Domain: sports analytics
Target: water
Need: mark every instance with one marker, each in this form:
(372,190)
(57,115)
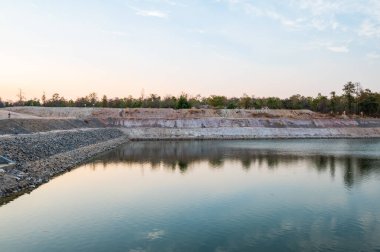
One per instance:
(268,195)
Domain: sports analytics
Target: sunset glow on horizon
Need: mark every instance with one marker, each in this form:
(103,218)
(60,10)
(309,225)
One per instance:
(224,47)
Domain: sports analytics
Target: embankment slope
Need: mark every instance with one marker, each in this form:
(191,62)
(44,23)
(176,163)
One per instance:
(40,156)
(140,124)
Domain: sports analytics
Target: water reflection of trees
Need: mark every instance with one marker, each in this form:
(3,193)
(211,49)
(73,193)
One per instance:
(182,154)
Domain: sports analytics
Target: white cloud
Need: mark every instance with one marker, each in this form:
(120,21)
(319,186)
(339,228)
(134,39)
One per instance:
(293,23)
(174,3)
(152,13)
(369,29)
(327,13)
(338,49)
(319,7)
(116,33)
(373,55)
(322,24)
(199,31)
(321,15)
(285,20)
(329,45)
(251,9)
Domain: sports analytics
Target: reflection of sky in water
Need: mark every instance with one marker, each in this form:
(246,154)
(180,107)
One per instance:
(155,234)
(206,196)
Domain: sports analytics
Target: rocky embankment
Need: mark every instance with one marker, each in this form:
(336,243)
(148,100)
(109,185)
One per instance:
(33,125)
(247,128)
(246,133)
(41,156)
(157,124)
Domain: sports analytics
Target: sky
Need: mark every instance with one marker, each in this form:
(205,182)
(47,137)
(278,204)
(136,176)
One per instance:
(207,47)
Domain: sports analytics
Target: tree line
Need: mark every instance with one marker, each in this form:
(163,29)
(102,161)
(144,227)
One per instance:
(353,100)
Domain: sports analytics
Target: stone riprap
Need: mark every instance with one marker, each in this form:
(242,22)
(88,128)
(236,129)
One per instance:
(32,125)
(41,156)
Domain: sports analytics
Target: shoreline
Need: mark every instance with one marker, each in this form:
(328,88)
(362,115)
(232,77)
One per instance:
(47,142)
(246,139)
(28,175)
(41,171)
(248,133)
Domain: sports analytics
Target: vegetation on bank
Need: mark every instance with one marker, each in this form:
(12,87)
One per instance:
(354,100)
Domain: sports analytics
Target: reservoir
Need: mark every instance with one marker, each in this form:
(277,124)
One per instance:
(259,195)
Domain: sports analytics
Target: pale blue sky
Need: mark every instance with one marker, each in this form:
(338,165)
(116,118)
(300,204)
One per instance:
(224,47)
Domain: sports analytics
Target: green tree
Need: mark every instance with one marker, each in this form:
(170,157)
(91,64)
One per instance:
(217,101)
(233,103)
(104,101)
(369,103)
(273,103)
(56,101)
(169,102)
(182,102)
(321,104)
(196,101)
(349,90)
(153,101)
(32,102)
(245,102)
(92,99)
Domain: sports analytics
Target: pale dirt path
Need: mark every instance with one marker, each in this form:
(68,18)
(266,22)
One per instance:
(4,115)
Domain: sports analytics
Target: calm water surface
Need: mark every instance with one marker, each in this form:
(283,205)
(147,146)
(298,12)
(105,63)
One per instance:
(288,195)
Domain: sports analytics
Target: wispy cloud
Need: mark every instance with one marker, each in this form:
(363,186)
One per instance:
(338,49)
(369,29)
(252,9)
(115,33)
(285,21)
(322,24)
(319,7)
(373,55)
(328,13)
(152,13)
(173,3)
(199,31)
(329,45)
(320,15)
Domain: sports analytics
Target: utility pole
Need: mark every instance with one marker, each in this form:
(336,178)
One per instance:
(20,96)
